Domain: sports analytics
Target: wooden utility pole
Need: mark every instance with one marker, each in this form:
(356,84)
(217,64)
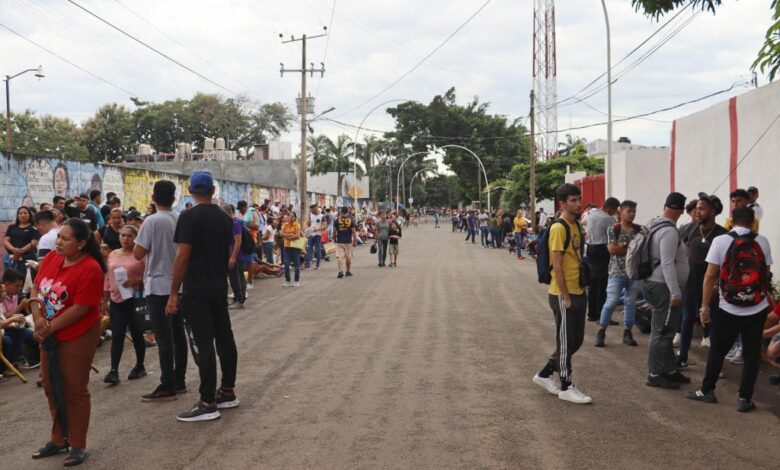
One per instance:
(532,164)
(303,194)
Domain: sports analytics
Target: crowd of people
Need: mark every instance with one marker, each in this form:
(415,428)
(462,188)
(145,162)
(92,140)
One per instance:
(78,272)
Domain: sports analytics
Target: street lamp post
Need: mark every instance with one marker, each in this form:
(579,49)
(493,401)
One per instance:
(398,178)
(487,184)
(608,163)
(411,198)
(38,73)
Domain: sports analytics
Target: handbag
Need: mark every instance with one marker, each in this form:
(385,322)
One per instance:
(299,243)
(373,249)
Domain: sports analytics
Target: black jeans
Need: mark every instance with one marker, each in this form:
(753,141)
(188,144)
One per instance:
(171,342)
(122,316)
(238,281)
(569,332)
(381,250)
(598,261)
(208,325)
(725,330)
(292,256)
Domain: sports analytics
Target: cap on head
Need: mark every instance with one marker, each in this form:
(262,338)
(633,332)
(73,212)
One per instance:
(752,189)
(713,201)
(133,215)
(201,182)
(675,201)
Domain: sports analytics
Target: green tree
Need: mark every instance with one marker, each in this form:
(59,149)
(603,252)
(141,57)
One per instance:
(47,136)
(262,123)
(109,134)
(549,175)
(768,59)
(572,146)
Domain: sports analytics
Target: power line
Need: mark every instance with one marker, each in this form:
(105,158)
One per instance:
(422,61)
(135,95)
(327,40)
(152,48)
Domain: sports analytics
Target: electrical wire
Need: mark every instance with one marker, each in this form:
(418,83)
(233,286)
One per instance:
(156,51)
(107,82)
(422,61)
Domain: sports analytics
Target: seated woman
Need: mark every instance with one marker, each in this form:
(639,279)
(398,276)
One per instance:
(268,269)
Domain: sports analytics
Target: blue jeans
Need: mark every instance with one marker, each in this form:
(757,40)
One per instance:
(292,255)
(483,236)
(268,252)
(315,246)
(15,339)
(495,237)
(471,233)
(615,286)
(519,238)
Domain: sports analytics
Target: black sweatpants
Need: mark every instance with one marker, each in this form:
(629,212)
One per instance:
(208,325)
(570,333)
(122,316)
(238,281)
(723,333)
(598,261)
(171,342)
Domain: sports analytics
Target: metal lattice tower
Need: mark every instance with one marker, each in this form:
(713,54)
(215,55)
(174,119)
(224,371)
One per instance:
(545,72)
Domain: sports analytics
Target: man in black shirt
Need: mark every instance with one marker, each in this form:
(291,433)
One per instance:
(204,235)
(78,208)
(346,240)
(109,235)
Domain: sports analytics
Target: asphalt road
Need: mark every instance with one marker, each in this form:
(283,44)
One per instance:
(424,366)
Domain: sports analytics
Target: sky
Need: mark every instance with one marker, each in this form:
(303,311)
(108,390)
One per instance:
(236,45)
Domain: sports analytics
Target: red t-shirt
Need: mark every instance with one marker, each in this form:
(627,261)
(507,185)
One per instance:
(62,287)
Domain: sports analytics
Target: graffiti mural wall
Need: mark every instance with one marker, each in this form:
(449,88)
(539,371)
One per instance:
(28,181)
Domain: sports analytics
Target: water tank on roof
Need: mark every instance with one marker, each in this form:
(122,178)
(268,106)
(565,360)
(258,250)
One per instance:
(220,143)
(189,149)
(181,148)
(208,144)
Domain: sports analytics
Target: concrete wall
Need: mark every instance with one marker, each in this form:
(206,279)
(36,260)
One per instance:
(733,144)
(642,175)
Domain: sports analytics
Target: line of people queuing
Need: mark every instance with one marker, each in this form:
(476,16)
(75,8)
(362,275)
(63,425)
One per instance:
(703,273)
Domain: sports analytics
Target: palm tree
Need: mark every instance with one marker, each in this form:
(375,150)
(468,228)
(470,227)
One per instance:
(366,151)
(342,152)
(320,161)
(572,146)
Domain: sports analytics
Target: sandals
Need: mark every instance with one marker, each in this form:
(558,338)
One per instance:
(49,449)
(75,457)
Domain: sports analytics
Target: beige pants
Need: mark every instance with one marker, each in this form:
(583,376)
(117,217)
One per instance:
(344,251)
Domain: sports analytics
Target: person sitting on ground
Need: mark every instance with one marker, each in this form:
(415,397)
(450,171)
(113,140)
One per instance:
(16,335)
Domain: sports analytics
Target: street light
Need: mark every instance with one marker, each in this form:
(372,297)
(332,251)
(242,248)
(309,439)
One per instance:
(487,184)
(412,181)
(398,178)
(8,78)
(608,163)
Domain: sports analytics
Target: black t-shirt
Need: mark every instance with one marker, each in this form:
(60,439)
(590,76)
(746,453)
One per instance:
(396,232)
(88,215)
(210,232)
(699,240)
(111,238)
(21,237)
(344,228)
(105,211)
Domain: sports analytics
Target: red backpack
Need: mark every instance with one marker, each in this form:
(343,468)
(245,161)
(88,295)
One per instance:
(744,276)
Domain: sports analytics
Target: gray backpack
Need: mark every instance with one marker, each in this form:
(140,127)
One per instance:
(639,263)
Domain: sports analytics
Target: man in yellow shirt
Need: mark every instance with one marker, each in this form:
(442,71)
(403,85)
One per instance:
(567,296)
(521,230)
(740,198)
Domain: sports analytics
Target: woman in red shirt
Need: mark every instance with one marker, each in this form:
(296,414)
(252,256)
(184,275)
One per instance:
(65,300)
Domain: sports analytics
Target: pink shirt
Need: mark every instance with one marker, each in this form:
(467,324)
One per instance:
(133,267)
(9,304)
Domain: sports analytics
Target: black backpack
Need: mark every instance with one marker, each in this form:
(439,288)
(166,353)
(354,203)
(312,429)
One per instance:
(247,242)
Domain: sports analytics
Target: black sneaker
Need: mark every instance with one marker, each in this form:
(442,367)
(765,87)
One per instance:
(340,275)
(744,405)
(600,336)
(349,274)
(628,338)
(225,400)
(200,412)
(112,377)
(677,377)
(661,381)
(181,388)
(137,372)
(159,394)
(698,395)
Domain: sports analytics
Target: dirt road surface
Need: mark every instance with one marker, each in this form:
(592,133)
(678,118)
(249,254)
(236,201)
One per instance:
(423,366)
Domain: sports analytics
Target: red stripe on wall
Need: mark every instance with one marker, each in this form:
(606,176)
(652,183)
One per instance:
(673,154)
(733,157)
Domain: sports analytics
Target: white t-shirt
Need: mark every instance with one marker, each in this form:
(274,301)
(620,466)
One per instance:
(269,229)
(717,255)
(49,240)
(483,219)
(316,223)
(757,210)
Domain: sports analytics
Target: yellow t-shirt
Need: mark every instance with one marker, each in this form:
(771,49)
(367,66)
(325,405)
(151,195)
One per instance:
(520,224)
(729,224)
(571,257)
(290,229)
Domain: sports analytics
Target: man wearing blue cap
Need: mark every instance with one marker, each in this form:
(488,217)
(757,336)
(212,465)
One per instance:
(204,236)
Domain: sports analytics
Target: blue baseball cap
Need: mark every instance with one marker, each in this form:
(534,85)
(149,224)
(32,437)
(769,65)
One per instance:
(201,182)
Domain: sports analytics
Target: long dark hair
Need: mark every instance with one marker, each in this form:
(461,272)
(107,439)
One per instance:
(82,232)
(29,215)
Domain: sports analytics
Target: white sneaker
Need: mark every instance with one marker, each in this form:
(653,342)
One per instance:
(737,358)
(297,284)
(287,284)
(547,384)
(732,351)
(250,286)
(573,395)
(705,342)
(676,340)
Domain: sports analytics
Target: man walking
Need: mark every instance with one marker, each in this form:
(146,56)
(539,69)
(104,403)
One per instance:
(483,228)
(618,238)
(155,241)
(566,296)
(600,221)
(314,227)
(346,239)
(471,227)
(204,234)
(741,260)
(382,237)
(663,292)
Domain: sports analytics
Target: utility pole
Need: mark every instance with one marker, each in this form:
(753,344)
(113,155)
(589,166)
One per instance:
(304,125)
(532,162)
